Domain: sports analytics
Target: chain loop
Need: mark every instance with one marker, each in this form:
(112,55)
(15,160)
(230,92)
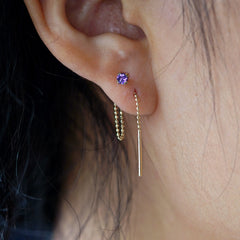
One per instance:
(120,136)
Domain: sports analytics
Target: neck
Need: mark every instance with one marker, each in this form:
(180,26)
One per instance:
(154,215)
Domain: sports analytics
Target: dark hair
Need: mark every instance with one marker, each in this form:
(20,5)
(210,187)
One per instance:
(36,93)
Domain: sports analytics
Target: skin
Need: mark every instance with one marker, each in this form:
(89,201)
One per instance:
(191,171)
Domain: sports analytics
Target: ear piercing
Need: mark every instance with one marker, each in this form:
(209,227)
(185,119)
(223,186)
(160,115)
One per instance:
(122,78)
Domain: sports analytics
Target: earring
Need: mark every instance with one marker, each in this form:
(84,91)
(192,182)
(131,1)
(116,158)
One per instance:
(139,139)
(122,78)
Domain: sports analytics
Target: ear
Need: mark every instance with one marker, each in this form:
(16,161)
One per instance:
(91,38)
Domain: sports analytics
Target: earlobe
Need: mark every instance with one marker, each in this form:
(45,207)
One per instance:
(96,50)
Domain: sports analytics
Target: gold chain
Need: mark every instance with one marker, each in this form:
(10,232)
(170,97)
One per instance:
(119,136)
(139,137)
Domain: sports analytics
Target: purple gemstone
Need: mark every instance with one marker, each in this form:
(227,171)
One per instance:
(122,78)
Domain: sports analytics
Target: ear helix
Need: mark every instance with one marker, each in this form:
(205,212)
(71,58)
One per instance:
(122,78)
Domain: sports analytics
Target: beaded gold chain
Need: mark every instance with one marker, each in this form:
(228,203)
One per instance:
(120,136)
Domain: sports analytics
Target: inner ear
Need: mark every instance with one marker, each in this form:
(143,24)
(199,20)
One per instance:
(94,17)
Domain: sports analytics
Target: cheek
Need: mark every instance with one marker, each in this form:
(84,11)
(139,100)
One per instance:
(197,152)
(162,23)
(198,156)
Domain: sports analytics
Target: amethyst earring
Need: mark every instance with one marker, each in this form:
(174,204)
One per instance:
(122,78)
